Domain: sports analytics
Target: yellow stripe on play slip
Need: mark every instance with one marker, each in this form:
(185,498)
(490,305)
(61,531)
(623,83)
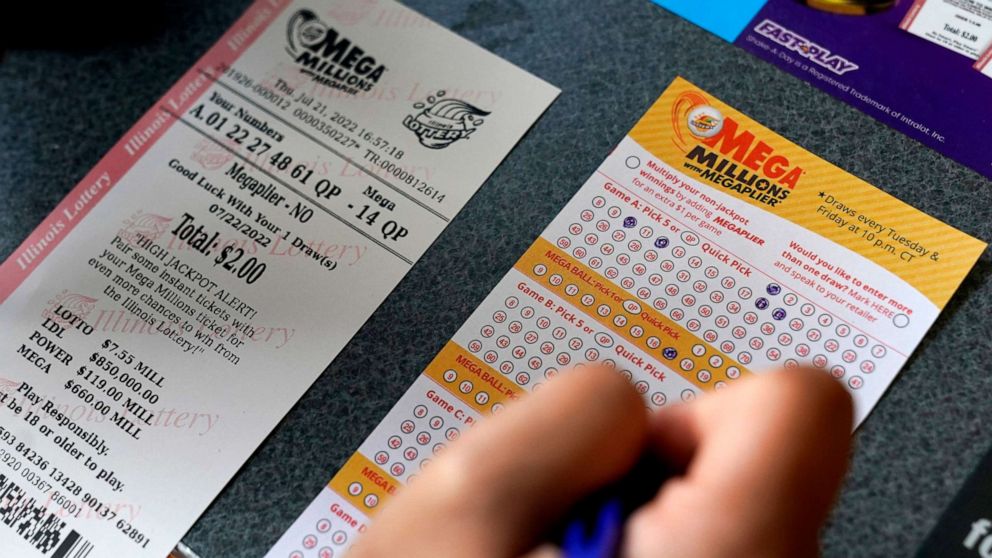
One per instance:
(471,380)
(641,323)
(363,484)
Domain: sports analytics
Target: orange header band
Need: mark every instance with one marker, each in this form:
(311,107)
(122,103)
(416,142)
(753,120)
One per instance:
(727,150)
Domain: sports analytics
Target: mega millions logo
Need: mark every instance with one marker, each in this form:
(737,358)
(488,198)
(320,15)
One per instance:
(8,386)
(722,151)
(142,225)
(78,304)
(705,121)
(442,121)
(330,58)
(211,155)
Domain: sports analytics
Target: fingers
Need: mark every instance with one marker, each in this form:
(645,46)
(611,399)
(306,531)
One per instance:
(496,490)
(766,461)
(673,435)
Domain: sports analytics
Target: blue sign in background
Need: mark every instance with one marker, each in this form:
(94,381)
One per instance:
(725,18)
(930,93)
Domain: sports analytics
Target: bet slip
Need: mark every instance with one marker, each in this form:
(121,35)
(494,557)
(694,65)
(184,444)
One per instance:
(964,26)
(704,249)
(174,306)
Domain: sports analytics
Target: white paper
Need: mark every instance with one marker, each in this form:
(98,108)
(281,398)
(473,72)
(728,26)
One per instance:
(964,26)
(178,302)
(685,264)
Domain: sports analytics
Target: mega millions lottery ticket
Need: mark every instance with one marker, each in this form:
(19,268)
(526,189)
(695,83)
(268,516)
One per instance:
(984,63)
(964,26)
(167,314)
(704,249)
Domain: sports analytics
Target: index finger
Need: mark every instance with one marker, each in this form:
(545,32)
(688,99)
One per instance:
(497,489)
(765,459)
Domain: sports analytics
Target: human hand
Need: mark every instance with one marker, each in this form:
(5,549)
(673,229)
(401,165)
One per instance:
(762,462)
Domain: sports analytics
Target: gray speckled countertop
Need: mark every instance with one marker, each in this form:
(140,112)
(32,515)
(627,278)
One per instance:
(60,110)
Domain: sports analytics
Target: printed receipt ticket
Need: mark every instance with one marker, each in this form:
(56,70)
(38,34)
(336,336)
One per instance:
(704,249)
(964,26)
(166,315)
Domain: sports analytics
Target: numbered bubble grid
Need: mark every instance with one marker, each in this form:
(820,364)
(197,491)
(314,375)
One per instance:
(322,534)
(412,435)
(717,297)
(529,344)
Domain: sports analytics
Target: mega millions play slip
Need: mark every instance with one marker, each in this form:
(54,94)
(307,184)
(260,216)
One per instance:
(159,323)
(704,249)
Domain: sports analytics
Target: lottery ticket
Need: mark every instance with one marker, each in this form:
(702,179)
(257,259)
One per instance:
(984,62)
(167,314)
(964,26)
(704,249)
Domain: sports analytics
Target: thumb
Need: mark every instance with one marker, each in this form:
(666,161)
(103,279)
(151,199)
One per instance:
(497,489)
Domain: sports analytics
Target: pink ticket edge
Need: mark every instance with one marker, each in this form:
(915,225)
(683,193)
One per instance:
(910,17)
(984,60)
(118,161)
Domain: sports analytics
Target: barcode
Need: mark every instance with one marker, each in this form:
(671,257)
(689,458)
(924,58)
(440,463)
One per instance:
(73,546)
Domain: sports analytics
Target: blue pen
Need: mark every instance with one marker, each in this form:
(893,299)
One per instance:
(594,528)
(604,539)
